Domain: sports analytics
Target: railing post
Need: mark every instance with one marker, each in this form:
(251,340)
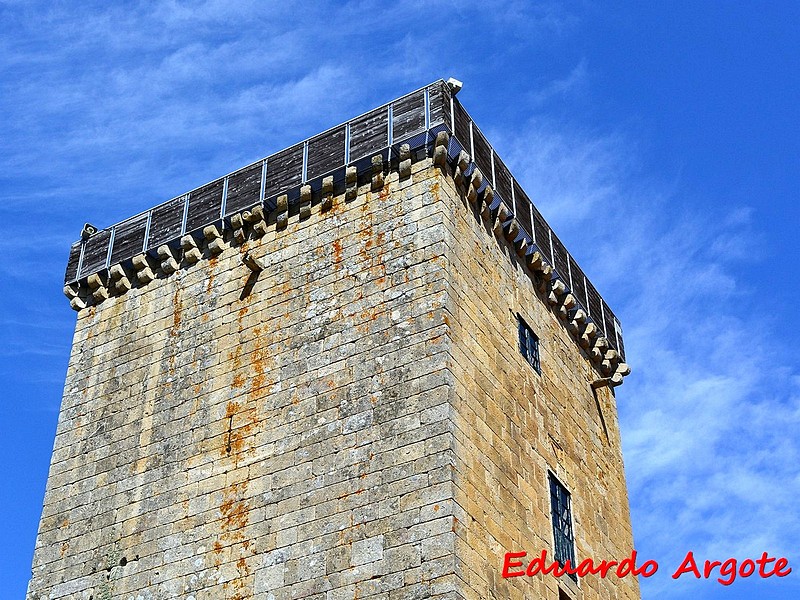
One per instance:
(147,230)
(347,143)
(80,260)
(304,174)
(185,213)
(110,246)
(263,181)
(390,132)
(223,206)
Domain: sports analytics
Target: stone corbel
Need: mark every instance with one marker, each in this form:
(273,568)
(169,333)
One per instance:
(543,278)
(282,218)
(191,253)
(119,281)
(257,220)
(486,203)
(588,335)
(521,246)
(237,224)
(327,193)
(73,293)
(462,164)
(498,218)
(511,230)
(557,289)
(405,161)
(534,261)
(440,149)
(97,286)
(575,325)
(351,184)
(305,202)
(215,242)
(598,350)
(143,268)
(566,303)
(377,172)
(474,185)
(168,263)
(623,370)
(609,363)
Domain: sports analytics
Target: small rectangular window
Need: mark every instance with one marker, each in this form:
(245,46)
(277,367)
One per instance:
(529,344)
(562,524)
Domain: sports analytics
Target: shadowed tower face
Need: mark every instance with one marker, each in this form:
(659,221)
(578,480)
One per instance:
(362,368)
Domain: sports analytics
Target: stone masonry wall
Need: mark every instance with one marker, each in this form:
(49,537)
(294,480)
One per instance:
(512,425)
(293,442)
(353,422)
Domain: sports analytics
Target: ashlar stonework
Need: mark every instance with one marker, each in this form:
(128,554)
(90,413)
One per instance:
(350,418)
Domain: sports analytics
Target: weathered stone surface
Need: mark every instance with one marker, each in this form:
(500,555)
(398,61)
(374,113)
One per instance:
(506,416)
(360,423)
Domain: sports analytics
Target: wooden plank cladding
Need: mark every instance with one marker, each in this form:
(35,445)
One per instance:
(611,330)
(166,221)
(95,253)
(595,305)
(522,208)
(326,152)
(560,258)
(128,238)
(369,131)
(244,188)
(541,234)
(408,115)
(284,170)
(204,205)
(439,100)
(502,177)
(73,261)
(461,127)
(577,281)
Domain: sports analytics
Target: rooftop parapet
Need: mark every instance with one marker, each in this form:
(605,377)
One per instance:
(412,126)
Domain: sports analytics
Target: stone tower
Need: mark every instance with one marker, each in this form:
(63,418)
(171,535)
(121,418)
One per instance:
(363,367)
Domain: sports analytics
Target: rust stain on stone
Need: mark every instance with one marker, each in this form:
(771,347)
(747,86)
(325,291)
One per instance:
(235,512)
(212,263)
(177,308)
(337,251)
(235,515)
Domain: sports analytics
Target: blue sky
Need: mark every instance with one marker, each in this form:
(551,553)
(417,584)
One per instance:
(661,141)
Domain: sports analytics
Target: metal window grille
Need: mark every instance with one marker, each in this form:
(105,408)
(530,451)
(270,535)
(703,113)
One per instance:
(563,535)
(529,345)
